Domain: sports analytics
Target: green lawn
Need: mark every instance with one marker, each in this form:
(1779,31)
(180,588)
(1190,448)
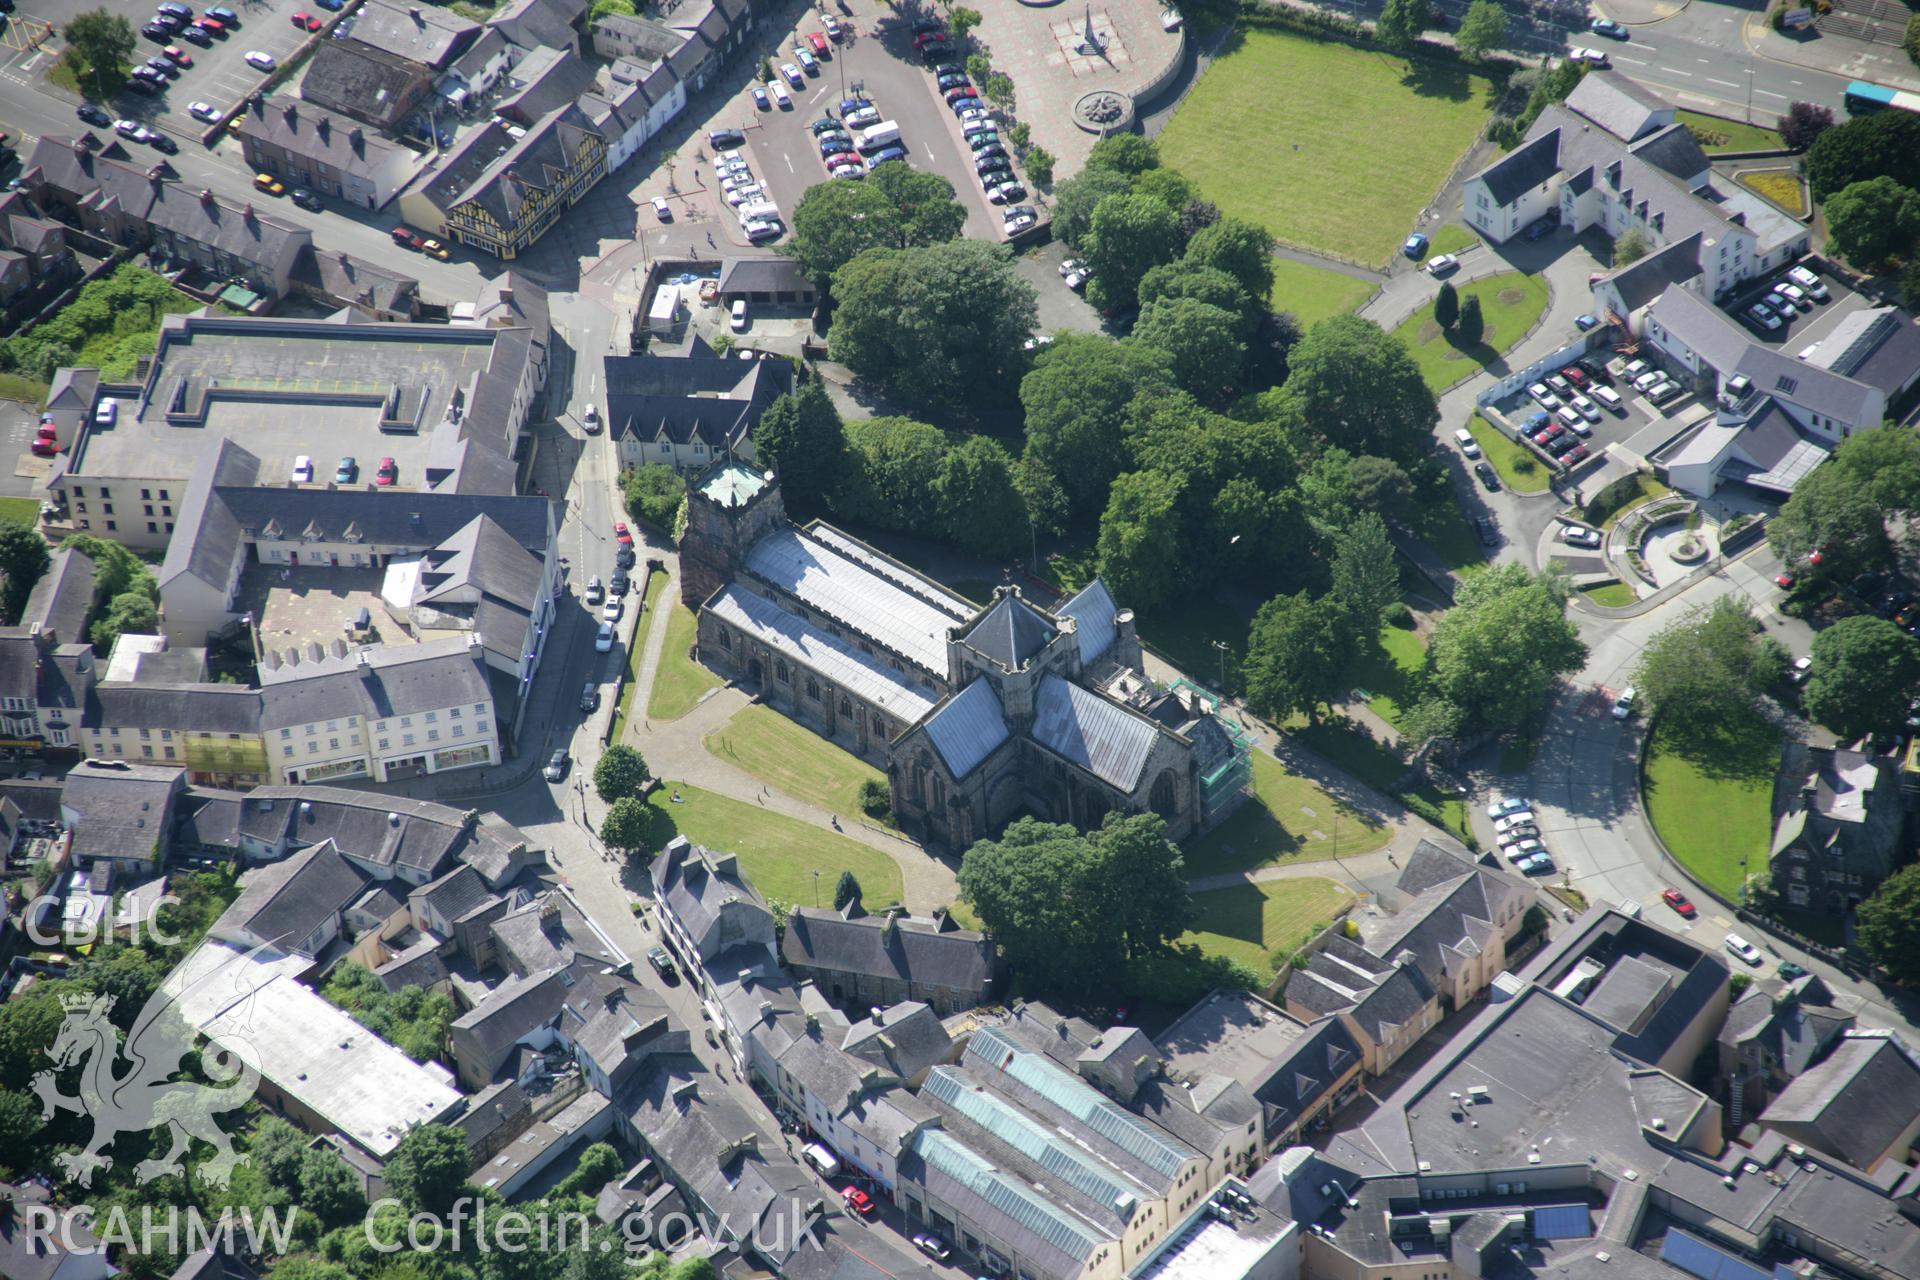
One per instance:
(14,386)
(1249,923)
(1645,487)
(680,681)
(1711,801)
(1610,595)
(24,511)
(1719,134)
(1386,671)
(778,854)
(649,602)
(1288,819)
(1446,530)
(1519,470)
(1315,293)
(1510,303)
(1295,134)
(1451,238)
(793,759)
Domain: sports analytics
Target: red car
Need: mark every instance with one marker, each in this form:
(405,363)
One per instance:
(306,21)
(387,473)
(1575,374)
(1784,582)
(1678,901)
(622,534)
(819,43)
(858,1201)
(44,443)
(212,26)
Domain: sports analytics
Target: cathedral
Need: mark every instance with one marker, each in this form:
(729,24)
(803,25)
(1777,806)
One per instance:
(978,713)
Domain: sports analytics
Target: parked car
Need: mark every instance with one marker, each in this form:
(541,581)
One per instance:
(590,698)
(737,316)
(1488,476)
(858,1201)
(306,21)
(603,639)
(1543,397)
(305,199)
(1520,817)
(1679,902)
(1443,264)
(93,115)
(1007,191)
(1586,408)
(1763,315)
(1514,835)
(662,963)
(794,75)
(1502,806)
(344,473)
(612,610)
(760,99)
(1789,971)
(1415,246)
(303,469)
(1623,705)
(933,1246)
(1746,951)
(1538,865)
(260,61)
(556,765)
(1584,322)
(594,593)
(723,139)
(386,473)
(1576,536)
(1524,849)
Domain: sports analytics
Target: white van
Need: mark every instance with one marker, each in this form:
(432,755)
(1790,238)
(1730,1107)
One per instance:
(759,211)
(1469,447)
(1608,398)
(824,1162)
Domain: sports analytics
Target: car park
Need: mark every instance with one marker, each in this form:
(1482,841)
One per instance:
(818,43)
(1579,453)
(883,155)
(1523,849)
(1521,817)
(780,95)
(982,141)
(1662,391)
(1559,385)
(1743,950)
(1514,835)
(980,124)
(195,35)
(1571,420)
(1796,295)
(1562,444)
(861,117)
(849,170)
(303,469)
(220,12)
(158,32)
(826,124)
(1025,222)
(806,61)
(1759,313)
(165,66)
(1543,397)
(662,210)
(1007,191)
(723,139)
(1609,398)
(760,98)
(306,21)
(178,56)
(1586,408)
(830,144)
(1538,865)
(952,82)
(1646,377)
(760,232)
(850,105)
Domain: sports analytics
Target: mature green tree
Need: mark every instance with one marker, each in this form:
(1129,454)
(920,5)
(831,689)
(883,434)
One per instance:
(1804,122)
(23,559)
(1873,220)
(277,1148)
(631,825)
(1139,887)
(1483,29)
(1887,925)
(1865,676)
(1910,41)
(979,504)
(834,222)
(129,613)
(1169,186)
(1075,200)
(621,771)
(1839,509)
(1239,248)
(1885,144)
(1357,387)
(897,462)
(1196,216)
(1126,153)
(115,569)
(800,436)
(1041,497)
(941,324)
(1446,306)
(1631,245)
(20,1125)
(102,42)
(1366,576)
(1203,284)
(998,89)
(1140,539)
(1401,22)
(428,1171)
(1076,400)
(28,1024)
(962,21)
(1472,325)
(1129,236)
(328,1188)
(1707,668)
(1382,486)
(1039,162)
(1499,650)
(926,210)
(1202,344)
(847,890)
(654,492)
(1296,654)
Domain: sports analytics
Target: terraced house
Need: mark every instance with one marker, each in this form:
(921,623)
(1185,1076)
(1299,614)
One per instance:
(505,184)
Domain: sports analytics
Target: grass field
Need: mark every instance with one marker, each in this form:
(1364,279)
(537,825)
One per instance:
(1712,802)
(1307,163)
(778,854)
(1387,670)
(1510,303)
(1249,923)
(649,606)
(14,386)
(1451,238)
(680,681)
(1443,527)
(1289,819)
(1611,595)
(1519,470)
(24,511)
(1315,293)
(793,759)
(1718,134)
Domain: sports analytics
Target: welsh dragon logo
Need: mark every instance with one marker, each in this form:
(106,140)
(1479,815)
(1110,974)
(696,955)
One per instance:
(129,1088)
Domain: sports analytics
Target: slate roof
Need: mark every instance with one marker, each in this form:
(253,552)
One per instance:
(389,521)
(1673,151)
(120,809)
(188,708)
(211,1264)
(693,397)
(532,24)
(284,903)
(242,231)
(368,83)
(1010,632)
(208,543)
(1641,282)
(497,170)
(30,1251)
(1092,609)
(706,893)
(354,281)
(546,79)
(481,558)
(392,681)
(318,135)
(834,658)
(1616,104)
(1522,169)
(1815,389)
(424,33)
(454,894)
(1096,733)
(517,1007)
(1457,905)
(1202,1115)
(550,931)
(832,583)
(1858,1102)
(58,605)
(763,273)
(1878,346)
(1795,1029)
(903,949)
(907,1039)
(968,728)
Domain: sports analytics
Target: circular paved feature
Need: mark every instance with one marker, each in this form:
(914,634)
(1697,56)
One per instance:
(1103,112)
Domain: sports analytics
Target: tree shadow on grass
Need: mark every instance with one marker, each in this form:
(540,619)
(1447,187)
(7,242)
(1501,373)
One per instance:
(1438,80)
(1239,913)
(1743,747)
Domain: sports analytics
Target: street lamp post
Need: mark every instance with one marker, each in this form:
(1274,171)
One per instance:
(1222,646)
(816,886)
